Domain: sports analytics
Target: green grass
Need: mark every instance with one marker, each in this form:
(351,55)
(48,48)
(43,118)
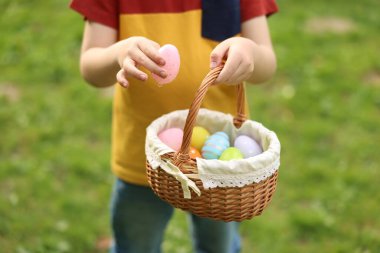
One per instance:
(323,103)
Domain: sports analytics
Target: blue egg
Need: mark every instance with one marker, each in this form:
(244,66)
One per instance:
(215,145)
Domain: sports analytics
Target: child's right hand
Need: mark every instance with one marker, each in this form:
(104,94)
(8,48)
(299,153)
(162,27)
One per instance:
(134,52)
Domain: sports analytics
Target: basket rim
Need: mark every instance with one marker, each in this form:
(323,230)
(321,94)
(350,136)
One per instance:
(255,168)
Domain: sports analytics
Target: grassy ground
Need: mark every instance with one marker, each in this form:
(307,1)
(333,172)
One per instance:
(324,104)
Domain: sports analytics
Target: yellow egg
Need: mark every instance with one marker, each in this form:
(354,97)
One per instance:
(199,137)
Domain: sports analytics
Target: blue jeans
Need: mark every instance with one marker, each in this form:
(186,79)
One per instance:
(139,219)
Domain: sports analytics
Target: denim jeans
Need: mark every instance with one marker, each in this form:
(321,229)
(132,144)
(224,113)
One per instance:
(139,219)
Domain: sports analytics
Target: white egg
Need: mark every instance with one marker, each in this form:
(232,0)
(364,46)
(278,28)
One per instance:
(248,146)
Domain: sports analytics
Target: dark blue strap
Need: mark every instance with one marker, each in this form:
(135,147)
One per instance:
(220,19)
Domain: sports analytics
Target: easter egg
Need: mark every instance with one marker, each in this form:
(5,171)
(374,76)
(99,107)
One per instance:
(215,145)
(199,137)
(172,63)
(194,153)
(231,153)
(248,146)
(172,137)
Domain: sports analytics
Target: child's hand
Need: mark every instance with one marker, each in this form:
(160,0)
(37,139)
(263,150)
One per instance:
(138,51)
(238,53)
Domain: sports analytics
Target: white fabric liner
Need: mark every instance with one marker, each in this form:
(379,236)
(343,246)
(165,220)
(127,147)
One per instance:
(216,173)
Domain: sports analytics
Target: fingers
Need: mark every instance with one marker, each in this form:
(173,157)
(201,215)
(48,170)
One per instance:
(235,71)
(238,66)
(129,70)
(151,51)
(120,77)
(242,73)
(140,52)
(218,54)
(230,68)
(238,54)
(142,59)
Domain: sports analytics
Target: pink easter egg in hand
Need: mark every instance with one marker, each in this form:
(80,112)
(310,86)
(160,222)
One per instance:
(172,62)
(172,137)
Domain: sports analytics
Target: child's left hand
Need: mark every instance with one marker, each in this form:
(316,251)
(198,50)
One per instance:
(239,55)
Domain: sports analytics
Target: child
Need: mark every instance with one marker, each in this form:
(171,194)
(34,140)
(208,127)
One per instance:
(120,43)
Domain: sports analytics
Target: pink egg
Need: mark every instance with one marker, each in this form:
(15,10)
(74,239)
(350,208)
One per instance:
(172,137)
(172,62)
(248,146)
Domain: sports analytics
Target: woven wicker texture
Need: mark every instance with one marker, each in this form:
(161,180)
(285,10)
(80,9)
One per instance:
(221,203)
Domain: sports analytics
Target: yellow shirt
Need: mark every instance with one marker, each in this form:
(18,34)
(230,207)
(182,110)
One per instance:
(176,22)
(136,107)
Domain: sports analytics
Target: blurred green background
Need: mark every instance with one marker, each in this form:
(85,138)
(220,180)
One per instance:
(324,104)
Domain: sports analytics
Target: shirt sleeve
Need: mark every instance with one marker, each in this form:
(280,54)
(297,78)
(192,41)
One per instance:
(105,12)
(256,8)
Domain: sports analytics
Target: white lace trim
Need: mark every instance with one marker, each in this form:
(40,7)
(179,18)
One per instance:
(212,181)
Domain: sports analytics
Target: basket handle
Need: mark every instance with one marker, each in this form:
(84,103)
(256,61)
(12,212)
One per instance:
(183,153)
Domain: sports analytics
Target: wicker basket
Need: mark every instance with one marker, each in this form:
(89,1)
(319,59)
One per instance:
(221,203)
